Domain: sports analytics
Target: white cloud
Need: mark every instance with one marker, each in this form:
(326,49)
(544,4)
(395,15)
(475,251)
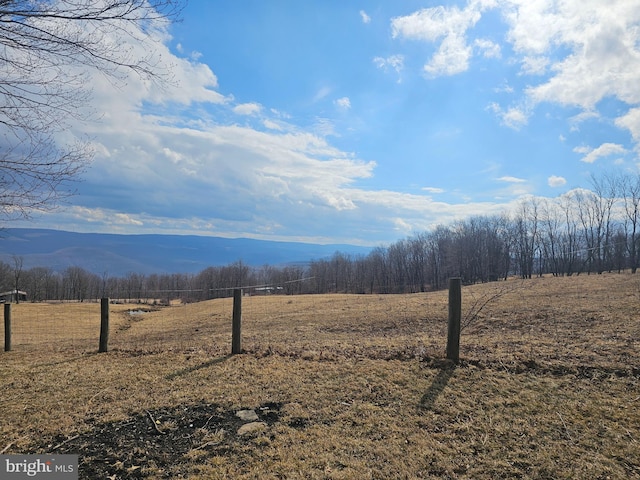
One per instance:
(579,52)
(509,179)
(343,103)
(555,181)
(534,65)
(365,18)
(280,114)
(451,58)
(395,62)
(195,55)
(583,117)
(274,167)
(504,88)
(631,122)
(167,153)
(247,108)
(584,52)
(192,82)
(604,150)
(324,127)
(583,150)
(450,27)
(600,40)
(112,219)
(402,226)
(124,219)
(431,24)
(175,157)
(322,93)
(533,25)
(282,182)
(514,118)
(488,48)
(160,160)
(271,125)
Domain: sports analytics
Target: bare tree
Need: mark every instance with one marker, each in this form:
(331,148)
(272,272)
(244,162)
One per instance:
(377,270)
(17,275)
(47,49)
(551,236)
(594,212)
(605,189)
(526,226)
(570,242)
(629,186)
(39,282)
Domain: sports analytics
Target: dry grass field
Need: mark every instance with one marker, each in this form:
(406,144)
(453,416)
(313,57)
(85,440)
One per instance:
(344,386)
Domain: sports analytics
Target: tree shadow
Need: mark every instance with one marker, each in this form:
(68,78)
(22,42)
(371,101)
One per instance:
(195,368)
(447,369)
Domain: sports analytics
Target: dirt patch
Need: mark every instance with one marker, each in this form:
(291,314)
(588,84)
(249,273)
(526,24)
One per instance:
(162,443)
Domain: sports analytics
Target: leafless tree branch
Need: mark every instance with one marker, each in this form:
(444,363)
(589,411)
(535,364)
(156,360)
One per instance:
(47,49)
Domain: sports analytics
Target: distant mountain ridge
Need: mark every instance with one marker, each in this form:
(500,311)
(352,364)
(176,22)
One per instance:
(118,255)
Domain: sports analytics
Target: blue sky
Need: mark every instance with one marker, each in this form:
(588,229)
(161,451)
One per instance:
(359,122)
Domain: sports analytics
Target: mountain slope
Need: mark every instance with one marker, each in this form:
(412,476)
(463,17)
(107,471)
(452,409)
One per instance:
(118,255)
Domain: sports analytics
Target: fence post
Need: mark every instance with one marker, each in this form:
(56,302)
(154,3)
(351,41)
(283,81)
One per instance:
(104,325)
(455,316)
(7,327)
(236,330)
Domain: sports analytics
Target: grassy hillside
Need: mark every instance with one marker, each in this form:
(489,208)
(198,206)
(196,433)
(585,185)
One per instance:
(345,386)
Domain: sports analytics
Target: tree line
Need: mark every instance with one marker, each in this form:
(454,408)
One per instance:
(585,231)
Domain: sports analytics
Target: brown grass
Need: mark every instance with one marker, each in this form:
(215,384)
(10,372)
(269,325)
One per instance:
(350,386)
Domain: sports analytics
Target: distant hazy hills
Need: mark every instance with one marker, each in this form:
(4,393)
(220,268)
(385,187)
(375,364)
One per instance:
(120,254)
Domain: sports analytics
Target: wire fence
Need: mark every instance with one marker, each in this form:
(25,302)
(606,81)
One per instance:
(270,323)
(577,320)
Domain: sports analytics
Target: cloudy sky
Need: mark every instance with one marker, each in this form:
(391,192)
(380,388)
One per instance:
(360,122)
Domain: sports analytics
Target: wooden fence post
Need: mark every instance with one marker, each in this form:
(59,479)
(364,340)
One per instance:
(7,327)
(455,317)
(104,325)
(236,330)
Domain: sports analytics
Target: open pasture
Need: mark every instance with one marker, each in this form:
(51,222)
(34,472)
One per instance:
(344,386)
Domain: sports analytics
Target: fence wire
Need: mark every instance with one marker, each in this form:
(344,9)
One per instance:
(581,320)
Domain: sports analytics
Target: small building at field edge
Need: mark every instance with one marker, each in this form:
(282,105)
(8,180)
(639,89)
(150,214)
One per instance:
(13,296)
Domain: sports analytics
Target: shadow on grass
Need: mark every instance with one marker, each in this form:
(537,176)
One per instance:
(61,362)
(447,369)
(195,368)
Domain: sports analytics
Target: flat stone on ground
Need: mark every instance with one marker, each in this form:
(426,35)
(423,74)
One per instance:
(252,427)
(247,415)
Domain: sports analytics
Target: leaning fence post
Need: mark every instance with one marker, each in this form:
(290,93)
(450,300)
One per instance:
(455,316)
(7,327)
(104,325)
(236,330)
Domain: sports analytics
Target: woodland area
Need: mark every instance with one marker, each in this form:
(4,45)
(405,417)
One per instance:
(584,231)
